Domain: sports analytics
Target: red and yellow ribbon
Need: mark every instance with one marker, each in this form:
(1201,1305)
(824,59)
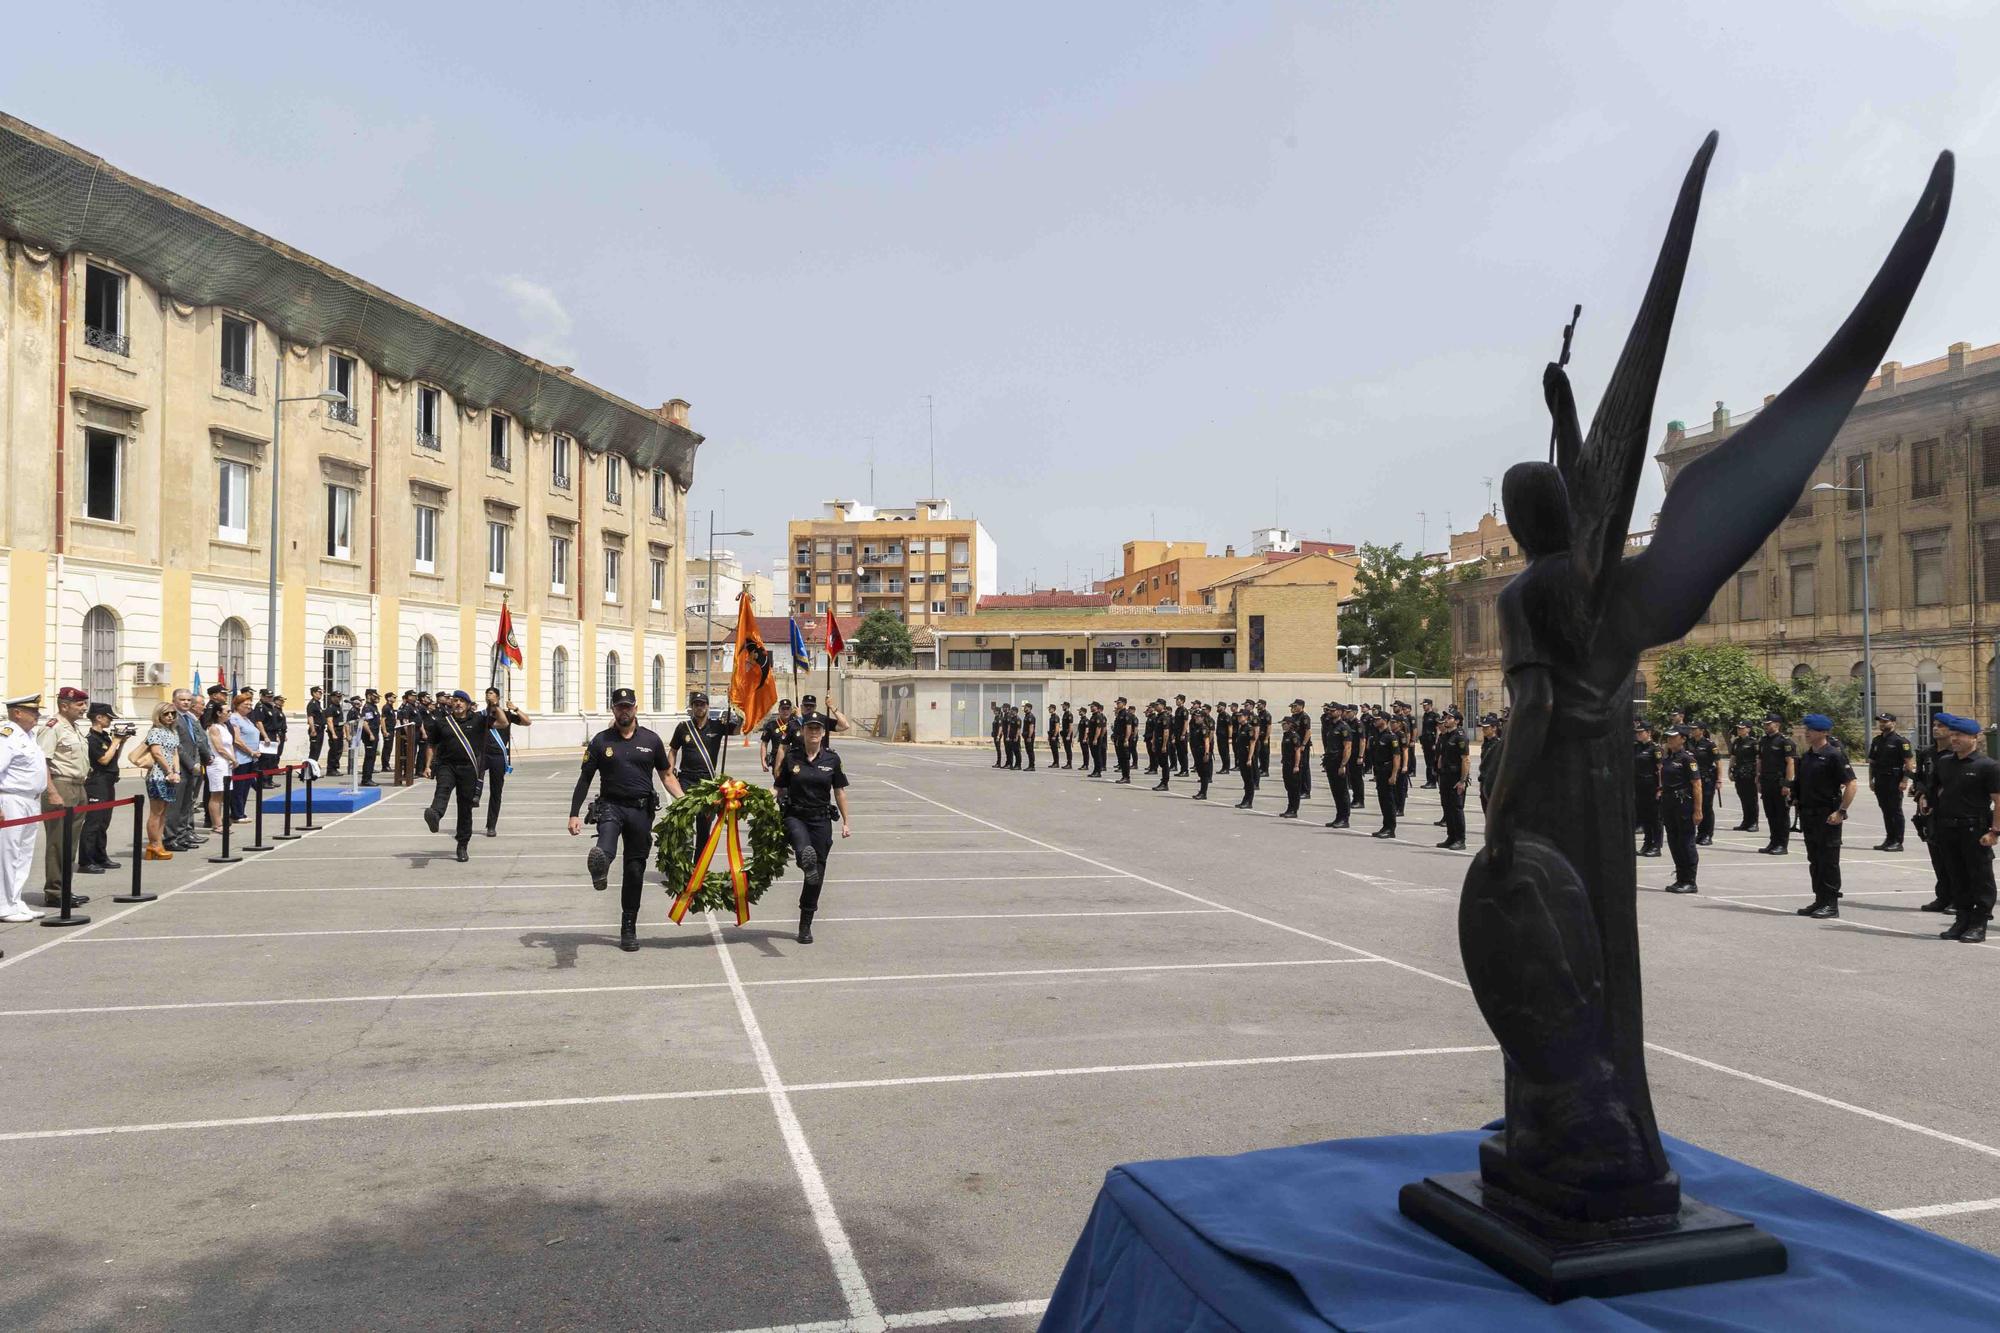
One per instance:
(731,793)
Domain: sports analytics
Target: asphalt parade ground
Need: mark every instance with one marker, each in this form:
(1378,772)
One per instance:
(350,1083)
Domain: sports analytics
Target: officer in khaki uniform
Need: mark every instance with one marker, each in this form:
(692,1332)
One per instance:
(65,743)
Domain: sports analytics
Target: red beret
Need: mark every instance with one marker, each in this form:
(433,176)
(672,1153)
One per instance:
(70,694)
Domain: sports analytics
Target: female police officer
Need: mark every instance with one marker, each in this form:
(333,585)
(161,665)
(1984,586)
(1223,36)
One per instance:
(814,783)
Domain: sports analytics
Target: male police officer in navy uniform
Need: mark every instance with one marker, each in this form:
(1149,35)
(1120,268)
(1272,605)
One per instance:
(1449,751)
(1825,785)
(1708,764)
(1777,772)
(695,752)
(1646,787)
(1683,796)
(627,757)
(1890,762)
(1965,823)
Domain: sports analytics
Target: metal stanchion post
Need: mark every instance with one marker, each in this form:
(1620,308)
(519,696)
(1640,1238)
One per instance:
(69,916)
(257,786)
(311,774)
(225,858)
(138,893)
(287,835)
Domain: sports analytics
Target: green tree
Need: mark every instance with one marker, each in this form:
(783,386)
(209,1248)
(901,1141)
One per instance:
(1399,609)
(1841,703)
(882,640)
(1714,683)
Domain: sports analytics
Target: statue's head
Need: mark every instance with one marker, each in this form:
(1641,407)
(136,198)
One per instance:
(1537,505)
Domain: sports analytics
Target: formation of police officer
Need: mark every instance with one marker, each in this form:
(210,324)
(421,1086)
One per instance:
(1962,799)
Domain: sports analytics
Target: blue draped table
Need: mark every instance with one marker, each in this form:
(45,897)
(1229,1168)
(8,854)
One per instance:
(1309,1238)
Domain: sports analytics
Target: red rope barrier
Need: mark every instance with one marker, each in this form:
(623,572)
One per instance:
(63,810)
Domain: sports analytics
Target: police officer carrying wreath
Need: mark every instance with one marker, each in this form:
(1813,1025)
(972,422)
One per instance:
(1825,786)
(695,752)
(1890,763)
(626,757)
(1965,823)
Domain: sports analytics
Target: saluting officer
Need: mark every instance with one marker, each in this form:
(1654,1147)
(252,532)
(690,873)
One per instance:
(1966,787)
(1386,754)
(1449,750)
(1646,787)
(1890,763)
(1825,785)
(1683,794)
(1708,765)
(628,758)
(1743,772)
(1201,748)
(1777,770)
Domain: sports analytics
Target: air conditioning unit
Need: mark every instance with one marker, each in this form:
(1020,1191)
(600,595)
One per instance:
(152,673)
(1149,641)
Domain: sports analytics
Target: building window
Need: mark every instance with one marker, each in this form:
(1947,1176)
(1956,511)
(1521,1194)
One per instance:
(496,552)
(613,560)
(427,663)
(559,447)
(1861,477)
(499,448)
(1851,553)
(659,684)
(103,475)
(1256,643)
(659,495)
(937,608)
(425,544)
(239,342)
(232,502)
(1989,561)
(614,480)
(340,380)
(1468,625)
(100,654)
(232,650)
(1926,470)
(610,677)
(960,553)
(1750,595)
(559,681)
(1804,589)
(1927,583)
(559,566)
(659,584)
(337,662)
(1989,456)
(339,523)
(429,401)
(104,310)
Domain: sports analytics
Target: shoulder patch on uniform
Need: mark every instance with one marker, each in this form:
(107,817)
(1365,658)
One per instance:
(6,728)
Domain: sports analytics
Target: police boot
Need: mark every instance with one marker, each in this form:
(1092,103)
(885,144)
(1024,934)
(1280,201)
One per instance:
(1935,905)
(805,925)
(1682,888)
(600,868)
(1827,911)
(462,854)
(1336,823)
(628,932)
(1973,934)
(1160,786)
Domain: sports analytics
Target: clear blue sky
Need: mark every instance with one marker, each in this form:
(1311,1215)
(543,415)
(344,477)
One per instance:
(1181,266)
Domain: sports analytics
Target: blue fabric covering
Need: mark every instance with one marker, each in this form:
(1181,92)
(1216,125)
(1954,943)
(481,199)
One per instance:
(1309,1238)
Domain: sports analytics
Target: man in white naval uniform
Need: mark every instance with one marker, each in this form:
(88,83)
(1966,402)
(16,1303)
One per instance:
(24,776)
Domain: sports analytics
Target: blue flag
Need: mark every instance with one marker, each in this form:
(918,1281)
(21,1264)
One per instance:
(800,657)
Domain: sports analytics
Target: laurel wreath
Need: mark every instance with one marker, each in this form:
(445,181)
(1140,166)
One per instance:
(766,849)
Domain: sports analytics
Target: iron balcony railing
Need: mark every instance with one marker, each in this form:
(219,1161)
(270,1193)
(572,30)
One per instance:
(104,340)
(239,381)
(346,412)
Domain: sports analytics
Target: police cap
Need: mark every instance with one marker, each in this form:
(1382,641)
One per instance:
(624,695)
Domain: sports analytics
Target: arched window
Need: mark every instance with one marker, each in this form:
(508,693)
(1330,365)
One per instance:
(232,651)
(1801,674)
(659,684)
(427,663)
(559,681)
(336,661)
(610,676)
(100,654)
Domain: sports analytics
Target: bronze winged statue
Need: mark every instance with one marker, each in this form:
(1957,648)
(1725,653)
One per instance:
(1548,916)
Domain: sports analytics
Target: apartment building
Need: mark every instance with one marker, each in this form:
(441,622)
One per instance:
(921,564)
(181,396)
(714,582)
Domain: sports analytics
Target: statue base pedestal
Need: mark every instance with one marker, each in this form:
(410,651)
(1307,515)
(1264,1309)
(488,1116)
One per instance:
(1704,1244)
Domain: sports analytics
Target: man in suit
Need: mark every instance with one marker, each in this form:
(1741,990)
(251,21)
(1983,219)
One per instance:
(180,834)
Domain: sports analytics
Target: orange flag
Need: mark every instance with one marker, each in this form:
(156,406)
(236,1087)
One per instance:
(752,690)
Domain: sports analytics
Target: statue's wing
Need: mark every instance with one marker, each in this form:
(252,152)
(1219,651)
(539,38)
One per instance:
(1724,504)
(1605,476)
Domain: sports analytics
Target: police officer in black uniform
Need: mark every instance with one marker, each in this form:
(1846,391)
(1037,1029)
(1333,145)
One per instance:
(1357,758)
(695,753)
(457,746)
(1777,771)
(1179,733)
(1010,733)
(1683,797)
(1386,755)
(1263,740)
(1245,733)
(627,757)
(1743,772)
(1069,737)
(814,784)
(1449,752)
(1965,787)
(1028,735)
(999,730)
(1890,763)
(1825,784)
(1924,789)
(501,719)
(1708,764)
(315,723)
(1295,757)
(1646,787)
(1201,748)
(1159,725)
(1125,739)
(1055,738)
(1225,733)
(1427,738)
(774,738)
(1336,737)
(1489,755)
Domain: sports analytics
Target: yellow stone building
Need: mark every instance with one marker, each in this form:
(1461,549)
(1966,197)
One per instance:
(161,364)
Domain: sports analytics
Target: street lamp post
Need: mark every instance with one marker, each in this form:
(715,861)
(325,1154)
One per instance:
(708,603)
(278,400)
(1867,646)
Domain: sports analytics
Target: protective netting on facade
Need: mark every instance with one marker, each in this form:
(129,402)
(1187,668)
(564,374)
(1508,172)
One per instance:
(56,197)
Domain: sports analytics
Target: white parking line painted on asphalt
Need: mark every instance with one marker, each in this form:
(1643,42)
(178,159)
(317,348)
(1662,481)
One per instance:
(832,1235)
(838,1085)
(869,979)
(1942,1210)
(605,927)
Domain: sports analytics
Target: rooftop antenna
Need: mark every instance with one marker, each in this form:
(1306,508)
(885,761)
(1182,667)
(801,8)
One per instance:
(1489,495)
(871,471)
(1423,531)
(930,405)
